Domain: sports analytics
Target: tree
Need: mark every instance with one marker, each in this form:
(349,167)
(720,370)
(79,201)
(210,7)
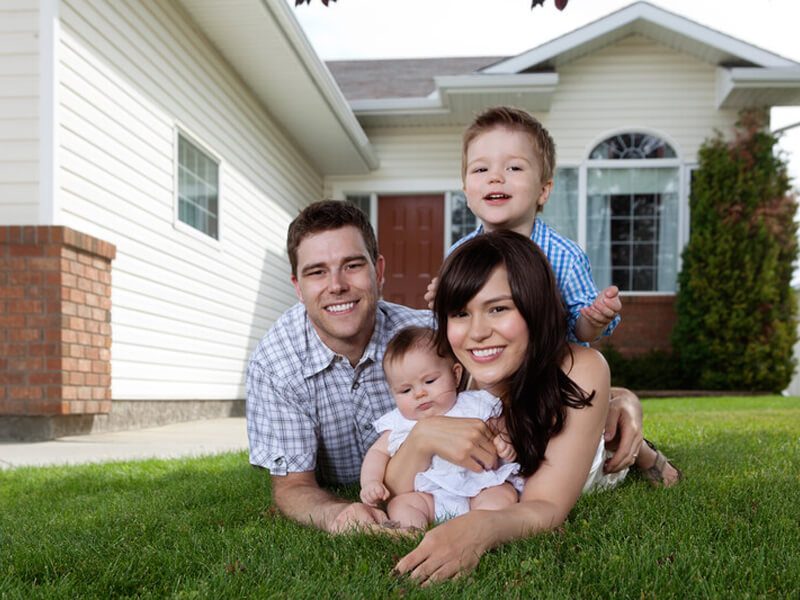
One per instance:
(736,310)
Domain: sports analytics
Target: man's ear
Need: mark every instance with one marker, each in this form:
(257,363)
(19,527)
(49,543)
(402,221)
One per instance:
(380,271)
(545,195)
(297,290)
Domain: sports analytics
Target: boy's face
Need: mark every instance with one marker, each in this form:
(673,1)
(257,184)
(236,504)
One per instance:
(423,383)
(503,182)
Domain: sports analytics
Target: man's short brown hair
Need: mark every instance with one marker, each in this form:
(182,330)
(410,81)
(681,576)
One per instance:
(513,119)
(328,215)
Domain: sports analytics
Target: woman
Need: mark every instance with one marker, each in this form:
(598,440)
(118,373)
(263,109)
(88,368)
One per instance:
(498,309)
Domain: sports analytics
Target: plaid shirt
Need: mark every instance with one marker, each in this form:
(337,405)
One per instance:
(307,407)
(572,270)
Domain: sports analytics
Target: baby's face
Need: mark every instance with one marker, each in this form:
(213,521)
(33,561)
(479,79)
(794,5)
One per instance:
(423,384)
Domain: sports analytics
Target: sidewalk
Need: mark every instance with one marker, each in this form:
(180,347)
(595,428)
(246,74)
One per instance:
(193,438)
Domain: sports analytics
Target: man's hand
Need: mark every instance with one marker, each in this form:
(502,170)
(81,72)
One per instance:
(373,493)
(430,293)
(623,432)
(605,307)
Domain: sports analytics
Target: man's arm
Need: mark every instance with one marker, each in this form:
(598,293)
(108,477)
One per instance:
(623,432)
(299,497)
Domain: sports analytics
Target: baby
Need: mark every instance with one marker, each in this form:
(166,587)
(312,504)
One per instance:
(424,384)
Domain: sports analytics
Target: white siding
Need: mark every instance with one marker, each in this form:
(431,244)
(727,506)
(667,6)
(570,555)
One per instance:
(632,84)
(19,123)
(635,84)
(186,310)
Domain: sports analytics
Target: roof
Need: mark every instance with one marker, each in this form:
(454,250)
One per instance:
(403,78)
(266,47)
(448,91)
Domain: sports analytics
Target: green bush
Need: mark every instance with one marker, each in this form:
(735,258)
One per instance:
(736,310)
(655,370)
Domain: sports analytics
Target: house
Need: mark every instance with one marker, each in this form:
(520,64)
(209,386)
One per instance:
(153,152)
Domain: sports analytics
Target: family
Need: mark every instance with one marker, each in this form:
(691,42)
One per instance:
(490,415)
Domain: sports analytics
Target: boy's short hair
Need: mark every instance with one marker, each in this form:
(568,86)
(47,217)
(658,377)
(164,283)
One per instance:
(326,216)
(514,119)
(411,338)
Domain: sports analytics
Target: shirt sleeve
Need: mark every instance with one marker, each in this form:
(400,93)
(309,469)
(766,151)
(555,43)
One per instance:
(280,428)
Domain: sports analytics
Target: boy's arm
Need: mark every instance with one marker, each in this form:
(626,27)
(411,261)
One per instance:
(373,470)
(593,319)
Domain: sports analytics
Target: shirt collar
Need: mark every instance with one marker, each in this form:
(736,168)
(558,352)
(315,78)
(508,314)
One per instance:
(319,357)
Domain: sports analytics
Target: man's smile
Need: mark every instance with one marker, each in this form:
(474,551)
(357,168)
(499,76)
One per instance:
(341,307)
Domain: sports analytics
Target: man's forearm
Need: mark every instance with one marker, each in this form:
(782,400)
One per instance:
(299,497)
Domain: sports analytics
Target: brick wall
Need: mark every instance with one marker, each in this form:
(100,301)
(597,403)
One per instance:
(646,325)
(55,322)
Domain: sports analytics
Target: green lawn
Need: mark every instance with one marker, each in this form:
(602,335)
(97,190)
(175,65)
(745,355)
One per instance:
(203,528)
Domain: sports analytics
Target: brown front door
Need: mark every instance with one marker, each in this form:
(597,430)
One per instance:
(411,238)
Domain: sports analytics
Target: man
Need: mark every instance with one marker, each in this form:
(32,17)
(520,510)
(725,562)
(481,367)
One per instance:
(315,382)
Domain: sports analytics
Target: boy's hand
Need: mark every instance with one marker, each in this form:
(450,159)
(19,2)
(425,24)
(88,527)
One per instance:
(430,294)
(373,493)
(505,449)
(604,308)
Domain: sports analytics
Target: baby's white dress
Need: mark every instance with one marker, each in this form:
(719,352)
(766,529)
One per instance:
(451,485)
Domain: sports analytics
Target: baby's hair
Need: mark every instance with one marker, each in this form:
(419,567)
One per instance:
(409,339)
(513,119)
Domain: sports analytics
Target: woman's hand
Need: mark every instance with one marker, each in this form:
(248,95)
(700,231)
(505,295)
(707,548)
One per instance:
(465,442)
(450,550)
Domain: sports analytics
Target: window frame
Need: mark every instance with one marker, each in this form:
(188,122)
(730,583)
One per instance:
(177,224)
(653,163)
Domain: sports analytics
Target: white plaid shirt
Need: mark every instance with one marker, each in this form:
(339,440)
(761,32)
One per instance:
(572,270)
(307,407)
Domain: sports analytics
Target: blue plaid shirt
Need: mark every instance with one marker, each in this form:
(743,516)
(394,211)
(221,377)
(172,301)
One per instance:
(572,270)
(307,407)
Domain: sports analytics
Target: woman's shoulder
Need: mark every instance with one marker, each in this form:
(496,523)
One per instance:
(586,365)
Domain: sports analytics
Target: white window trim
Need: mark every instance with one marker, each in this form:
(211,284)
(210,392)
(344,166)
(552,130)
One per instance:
(654,163)
(177,224)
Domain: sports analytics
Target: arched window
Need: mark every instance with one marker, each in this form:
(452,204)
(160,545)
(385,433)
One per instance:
(633,184)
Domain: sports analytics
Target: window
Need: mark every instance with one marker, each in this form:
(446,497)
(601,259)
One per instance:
(198,188)
(633,221)
(462,221)
(361,201)
(561,210)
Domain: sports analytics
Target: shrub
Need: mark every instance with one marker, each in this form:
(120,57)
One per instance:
(736,310)
(655,370)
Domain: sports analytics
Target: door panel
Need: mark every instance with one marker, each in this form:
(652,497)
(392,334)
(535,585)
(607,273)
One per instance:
(411,238)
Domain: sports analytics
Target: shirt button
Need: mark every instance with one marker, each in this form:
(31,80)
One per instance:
(368,426)
(278,461)
(356,385)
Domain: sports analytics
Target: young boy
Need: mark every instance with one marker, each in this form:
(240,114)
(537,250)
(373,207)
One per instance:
(507,165)
(423,385)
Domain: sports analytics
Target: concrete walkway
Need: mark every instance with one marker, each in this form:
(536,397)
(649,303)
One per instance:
(193,438)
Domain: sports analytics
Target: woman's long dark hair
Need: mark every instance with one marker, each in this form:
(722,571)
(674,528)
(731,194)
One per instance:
(539,392)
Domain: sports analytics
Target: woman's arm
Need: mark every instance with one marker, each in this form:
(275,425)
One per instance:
(465,442)
(549,494)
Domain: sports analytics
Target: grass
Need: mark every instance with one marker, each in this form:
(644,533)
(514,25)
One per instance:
(203,528)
